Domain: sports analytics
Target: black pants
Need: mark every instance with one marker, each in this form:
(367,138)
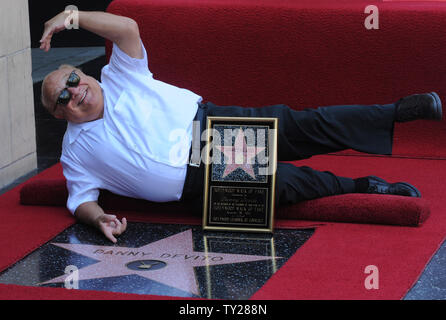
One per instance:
(302,134)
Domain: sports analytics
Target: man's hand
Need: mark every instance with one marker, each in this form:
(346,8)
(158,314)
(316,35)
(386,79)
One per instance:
(52,26)
(111,226)
(92,214)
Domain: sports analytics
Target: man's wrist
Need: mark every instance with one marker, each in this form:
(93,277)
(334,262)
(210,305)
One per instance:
(89,213)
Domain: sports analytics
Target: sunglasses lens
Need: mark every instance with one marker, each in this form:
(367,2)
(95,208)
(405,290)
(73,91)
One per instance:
(64,97)
(73,80)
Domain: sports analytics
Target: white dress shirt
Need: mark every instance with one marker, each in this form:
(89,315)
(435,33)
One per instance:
(140,147)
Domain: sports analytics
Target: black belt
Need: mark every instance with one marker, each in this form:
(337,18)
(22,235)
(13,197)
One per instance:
(193,185)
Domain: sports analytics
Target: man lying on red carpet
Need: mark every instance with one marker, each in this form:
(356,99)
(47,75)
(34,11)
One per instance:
(121,131)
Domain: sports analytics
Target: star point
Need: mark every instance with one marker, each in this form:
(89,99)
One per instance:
(170,261)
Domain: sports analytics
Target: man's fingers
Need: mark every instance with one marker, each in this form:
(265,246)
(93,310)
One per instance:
(116,224)
(46,38)
(120,227)
(43,45)
(109,217)
(47,35)
(112,227)
(46,45)
(110,235)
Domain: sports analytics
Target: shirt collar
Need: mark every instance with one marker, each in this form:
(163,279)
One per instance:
(74,129)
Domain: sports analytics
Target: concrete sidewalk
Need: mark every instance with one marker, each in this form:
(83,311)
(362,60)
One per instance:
(45,62)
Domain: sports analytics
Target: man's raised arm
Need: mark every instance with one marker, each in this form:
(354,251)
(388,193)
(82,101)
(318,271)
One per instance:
(121,30)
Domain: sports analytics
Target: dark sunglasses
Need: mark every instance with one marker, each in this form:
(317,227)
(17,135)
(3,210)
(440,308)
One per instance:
(65,95)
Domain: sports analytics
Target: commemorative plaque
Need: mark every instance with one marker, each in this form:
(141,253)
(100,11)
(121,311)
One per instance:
(240,171)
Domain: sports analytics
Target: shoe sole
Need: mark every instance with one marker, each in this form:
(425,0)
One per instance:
(439,110)
(413,188)
(405,183)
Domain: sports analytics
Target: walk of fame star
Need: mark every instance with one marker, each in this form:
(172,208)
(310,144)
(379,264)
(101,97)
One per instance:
(170,261)
(240,155)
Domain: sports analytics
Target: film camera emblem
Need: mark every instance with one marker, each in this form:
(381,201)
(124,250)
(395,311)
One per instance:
(146,265)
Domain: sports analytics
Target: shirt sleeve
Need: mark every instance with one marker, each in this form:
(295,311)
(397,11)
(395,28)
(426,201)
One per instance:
(80,184)
(121,62)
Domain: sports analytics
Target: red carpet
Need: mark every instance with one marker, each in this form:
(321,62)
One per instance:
(329,266)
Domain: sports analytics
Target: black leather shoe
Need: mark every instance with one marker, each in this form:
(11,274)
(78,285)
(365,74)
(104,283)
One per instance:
(419,106)
(380,186)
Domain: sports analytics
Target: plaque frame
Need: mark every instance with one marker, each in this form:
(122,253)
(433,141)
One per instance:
(268,221)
